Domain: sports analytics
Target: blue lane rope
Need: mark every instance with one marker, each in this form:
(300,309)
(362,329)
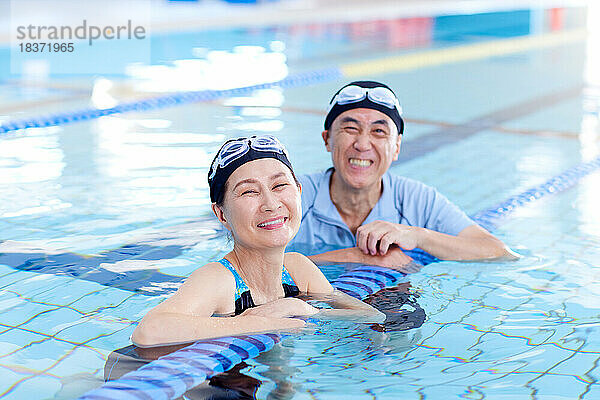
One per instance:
(490,217)
(296,80)
(172,375)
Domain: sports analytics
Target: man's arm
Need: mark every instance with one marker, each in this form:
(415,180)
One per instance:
(394,259)
(472,243)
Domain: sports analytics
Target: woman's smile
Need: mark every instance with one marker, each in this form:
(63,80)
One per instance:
(273,223)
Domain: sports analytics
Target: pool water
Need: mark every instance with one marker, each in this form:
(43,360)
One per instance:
(101,219)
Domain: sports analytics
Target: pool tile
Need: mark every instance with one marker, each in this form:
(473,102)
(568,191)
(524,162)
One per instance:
(38,355)
(52,321)
(9,279)
(10,299)
(511,386)
(594,392)
(87,328)
(331,393)
(8,377)
(5,270)
(134,307)
(74,386)
(68,291)
(80,361)
(536,360)
(557,386)
(113,341)
(23,312)
(35,388)
(454,311)
(580,364)
(396,391)
(15,339)
(96,300)
(444,391)
(476,290)
(37,283)
(493,347)
(462,338)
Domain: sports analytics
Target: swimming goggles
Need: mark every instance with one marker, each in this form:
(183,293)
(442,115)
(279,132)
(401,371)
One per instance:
(236,148)
(379,95)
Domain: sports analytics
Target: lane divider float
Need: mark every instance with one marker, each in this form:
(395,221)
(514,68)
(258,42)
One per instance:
(180,98)
(490,217)
(172,375)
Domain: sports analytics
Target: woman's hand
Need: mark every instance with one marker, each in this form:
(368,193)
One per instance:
(346,307)
(282,308)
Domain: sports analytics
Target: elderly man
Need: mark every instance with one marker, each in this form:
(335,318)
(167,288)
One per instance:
(369,214)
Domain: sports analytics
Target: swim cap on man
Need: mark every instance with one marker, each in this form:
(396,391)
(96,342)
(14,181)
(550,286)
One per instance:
(236,152)
(366,94)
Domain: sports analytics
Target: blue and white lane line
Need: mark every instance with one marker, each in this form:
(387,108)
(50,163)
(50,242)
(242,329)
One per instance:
(296,80)
(490,217)
(366,280)
(172,375)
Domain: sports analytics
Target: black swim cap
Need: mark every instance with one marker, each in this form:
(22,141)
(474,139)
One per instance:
(387,104)
(236,152)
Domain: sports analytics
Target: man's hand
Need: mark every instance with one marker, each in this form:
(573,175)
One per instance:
(375,238)
(393,259)
(283,308)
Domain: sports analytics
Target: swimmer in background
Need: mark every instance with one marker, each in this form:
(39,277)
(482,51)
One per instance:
(256,197)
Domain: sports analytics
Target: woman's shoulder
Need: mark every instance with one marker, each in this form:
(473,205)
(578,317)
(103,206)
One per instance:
(295,260)
(210,278)
(207,289)
(299,268)
(306,274)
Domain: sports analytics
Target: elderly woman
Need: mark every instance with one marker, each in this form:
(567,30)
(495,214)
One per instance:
(256,197)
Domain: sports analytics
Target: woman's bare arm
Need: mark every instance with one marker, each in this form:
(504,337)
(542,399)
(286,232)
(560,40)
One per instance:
(349,308)
(187,315)
(308,275)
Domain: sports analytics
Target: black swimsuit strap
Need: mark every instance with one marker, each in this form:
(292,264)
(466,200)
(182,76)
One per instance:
(245,301)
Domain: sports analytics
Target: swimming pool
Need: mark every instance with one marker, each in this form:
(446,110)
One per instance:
(102,217)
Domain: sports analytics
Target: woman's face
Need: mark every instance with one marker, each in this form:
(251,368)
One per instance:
(261,206)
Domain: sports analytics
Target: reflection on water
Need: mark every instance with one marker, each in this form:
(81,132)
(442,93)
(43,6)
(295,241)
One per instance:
(213,70)
(34,157)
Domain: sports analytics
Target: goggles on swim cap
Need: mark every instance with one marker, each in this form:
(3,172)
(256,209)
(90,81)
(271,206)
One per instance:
(365,94)
(353,94)
(236,152)
(235,148)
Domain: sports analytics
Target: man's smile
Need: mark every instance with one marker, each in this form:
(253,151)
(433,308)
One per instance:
(358,162)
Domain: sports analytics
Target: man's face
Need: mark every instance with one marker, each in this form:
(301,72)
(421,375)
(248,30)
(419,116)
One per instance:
(363,143)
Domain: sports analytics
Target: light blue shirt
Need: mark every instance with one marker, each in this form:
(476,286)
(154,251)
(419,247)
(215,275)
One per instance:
(403,201)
